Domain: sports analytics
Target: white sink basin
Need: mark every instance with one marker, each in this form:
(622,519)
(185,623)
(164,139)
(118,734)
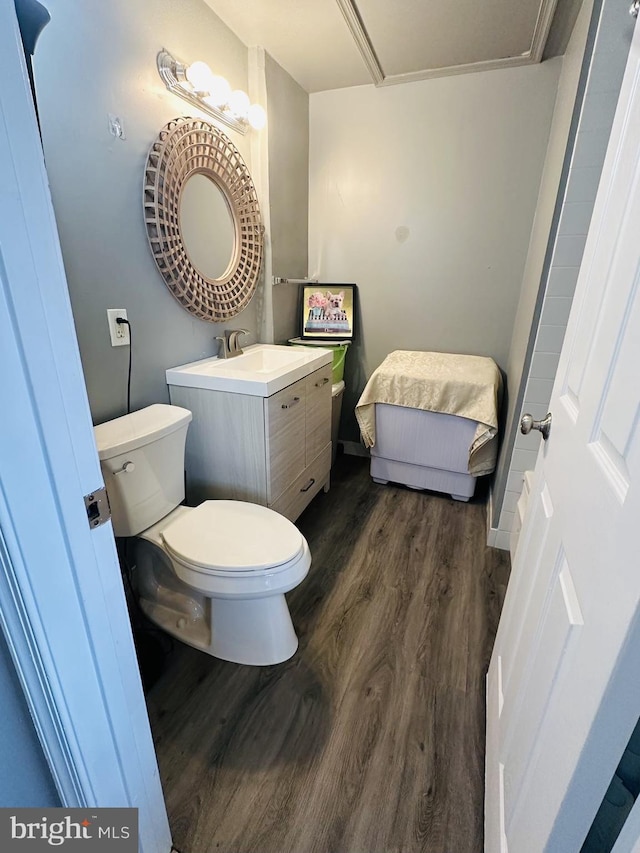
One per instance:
(260,371)
(261,360)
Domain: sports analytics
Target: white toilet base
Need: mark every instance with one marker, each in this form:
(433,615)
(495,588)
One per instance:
(258,632)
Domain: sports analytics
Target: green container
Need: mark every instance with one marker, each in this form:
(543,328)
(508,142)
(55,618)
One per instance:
(339,354)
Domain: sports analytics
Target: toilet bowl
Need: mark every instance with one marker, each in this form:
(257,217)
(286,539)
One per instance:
(213,576)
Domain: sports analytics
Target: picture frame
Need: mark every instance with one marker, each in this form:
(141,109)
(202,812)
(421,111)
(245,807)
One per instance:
(327,311)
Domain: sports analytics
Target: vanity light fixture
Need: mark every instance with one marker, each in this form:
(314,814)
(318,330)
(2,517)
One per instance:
(197,84)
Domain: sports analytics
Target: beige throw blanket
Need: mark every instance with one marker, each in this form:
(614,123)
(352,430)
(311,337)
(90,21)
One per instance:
(468,386)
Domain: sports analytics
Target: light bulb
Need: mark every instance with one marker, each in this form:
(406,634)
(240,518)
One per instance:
(219,92)
(200,76)
(239,103)
(257,117)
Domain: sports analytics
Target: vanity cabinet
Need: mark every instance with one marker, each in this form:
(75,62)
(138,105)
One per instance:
(275,451)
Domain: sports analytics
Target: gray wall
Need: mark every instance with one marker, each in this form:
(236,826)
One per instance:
(556,253)
(288,108)
(25,778)
(424,195)
(99,58)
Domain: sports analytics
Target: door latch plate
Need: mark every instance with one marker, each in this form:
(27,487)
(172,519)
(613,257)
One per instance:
(97,506)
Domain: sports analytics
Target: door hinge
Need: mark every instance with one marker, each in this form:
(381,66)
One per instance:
(97,506)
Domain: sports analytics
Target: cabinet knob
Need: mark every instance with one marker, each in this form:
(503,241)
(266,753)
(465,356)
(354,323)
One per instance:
(322,382)
(292,403)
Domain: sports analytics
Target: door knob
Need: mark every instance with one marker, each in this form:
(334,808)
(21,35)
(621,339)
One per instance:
(544,426)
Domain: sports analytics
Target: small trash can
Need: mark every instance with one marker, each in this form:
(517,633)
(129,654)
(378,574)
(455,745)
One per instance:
(339,354)
(337,392)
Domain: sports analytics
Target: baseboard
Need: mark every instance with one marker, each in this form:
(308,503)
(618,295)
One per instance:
(491,531)
(354,448)
(496,538)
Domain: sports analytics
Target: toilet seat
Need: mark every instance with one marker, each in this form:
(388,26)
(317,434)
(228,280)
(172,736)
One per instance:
(233,539)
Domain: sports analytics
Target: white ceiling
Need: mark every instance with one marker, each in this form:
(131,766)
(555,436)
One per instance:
(329,44)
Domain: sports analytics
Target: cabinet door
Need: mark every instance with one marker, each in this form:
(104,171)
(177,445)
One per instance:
(318,413)
(285,419)
(300,493)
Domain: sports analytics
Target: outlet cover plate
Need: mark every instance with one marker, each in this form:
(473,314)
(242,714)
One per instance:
(119,333)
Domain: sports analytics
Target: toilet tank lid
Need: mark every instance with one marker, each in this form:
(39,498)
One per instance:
(129,432)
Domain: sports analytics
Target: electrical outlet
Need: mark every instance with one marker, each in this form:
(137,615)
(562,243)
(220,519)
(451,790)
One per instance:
(119,332)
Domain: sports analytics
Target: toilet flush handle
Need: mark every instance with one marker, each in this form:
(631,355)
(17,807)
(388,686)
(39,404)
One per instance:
(127,468)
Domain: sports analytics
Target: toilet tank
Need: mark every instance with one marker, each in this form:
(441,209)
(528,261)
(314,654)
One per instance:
(142,461)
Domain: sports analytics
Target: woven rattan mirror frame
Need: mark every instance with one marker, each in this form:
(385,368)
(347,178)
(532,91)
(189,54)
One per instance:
(184,147)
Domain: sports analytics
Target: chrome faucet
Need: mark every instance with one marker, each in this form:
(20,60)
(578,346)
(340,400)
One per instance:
(229,342)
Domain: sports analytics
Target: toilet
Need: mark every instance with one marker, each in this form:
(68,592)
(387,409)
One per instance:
(213,576)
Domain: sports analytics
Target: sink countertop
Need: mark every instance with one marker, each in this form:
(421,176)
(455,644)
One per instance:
(261,370)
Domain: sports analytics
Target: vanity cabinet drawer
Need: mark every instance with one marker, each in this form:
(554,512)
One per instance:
(292,502)
(285,427)
(318,412)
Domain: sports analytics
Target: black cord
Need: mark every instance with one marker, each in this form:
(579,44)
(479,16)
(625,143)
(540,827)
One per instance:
(128,577)
(120,321)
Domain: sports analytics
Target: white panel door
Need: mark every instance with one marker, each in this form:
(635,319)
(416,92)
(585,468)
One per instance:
(564,682)
(62,604)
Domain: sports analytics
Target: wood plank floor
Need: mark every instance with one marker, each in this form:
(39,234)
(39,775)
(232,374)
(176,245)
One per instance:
(371,739)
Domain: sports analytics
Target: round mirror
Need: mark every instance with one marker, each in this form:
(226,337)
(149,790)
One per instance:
(203,219)
(206,226)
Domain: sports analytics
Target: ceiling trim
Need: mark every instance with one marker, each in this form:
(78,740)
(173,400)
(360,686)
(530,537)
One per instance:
(541,31)
(379,78)
(362,40)
(451,70)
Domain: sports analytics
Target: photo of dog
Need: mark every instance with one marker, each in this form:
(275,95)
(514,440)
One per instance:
(334,305)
